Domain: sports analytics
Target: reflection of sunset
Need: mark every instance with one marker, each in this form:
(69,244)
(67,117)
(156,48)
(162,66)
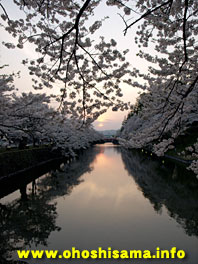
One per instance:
(103,160)
(110,184)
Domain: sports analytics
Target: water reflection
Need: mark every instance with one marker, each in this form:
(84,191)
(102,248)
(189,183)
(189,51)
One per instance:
(170,186)
(93,202)
(62,181)
(31,217)
(24,223)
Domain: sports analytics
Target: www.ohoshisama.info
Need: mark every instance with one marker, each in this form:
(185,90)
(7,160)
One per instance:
(100,253)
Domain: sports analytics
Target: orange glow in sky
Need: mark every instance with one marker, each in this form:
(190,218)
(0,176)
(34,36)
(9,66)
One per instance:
(113,28)
(101,119)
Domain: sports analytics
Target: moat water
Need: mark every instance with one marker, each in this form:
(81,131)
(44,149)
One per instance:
(110,198)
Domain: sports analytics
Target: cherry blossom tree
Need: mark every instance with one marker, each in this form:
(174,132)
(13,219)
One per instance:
(92,71)
(89,72)
(29,116)
(6,89)
(169,107)
(62,35)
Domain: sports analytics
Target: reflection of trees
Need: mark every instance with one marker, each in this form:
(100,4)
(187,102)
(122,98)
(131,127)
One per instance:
(62,181)
(26,222)
(171,187)
(30,220)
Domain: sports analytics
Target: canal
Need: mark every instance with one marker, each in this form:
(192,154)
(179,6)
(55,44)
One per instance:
(110,198)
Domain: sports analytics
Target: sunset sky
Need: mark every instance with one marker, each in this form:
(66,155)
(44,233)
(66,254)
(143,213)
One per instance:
(112,28)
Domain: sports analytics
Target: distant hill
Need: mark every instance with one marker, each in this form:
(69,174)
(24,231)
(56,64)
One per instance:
(108,133)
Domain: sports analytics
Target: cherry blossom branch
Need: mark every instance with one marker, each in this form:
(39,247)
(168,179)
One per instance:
(181,103)
(184,30)
(66,78)
(30,117)
(148,12)
(122,17)
(17,128)
(120,2)
(74,27)
(95,62)
(4,11)
(84,86)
